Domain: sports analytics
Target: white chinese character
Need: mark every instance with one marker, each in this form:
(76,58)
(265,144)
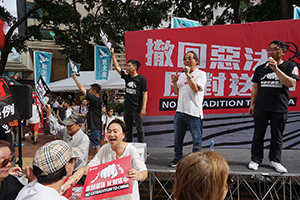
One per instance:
(225,57)
(262,58)
(160,51)
(244,81)
(215,84)
(6,111)
(44,66)
(168,84)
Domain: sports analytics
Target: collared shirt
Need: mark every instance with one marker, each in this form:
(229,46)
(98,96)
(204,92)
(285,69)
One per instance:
(79,139)
(190,102)
(37,191)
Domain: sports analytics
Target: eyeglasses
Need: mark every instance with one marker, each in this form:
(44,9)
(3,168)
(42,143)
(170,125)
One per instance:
(5,161)
(230,182)
(273,50)
(188,59)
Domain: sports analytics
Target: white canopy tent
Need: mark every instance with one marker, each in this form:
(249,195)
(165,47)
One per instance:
(87,78)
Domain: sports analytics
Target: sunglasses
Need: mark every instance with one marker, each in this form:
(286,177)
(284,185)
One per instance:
(230,182)
(5,161)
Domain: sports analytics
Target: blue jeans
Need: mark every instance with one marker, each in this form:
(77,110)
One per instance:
(94,136)
(181,122)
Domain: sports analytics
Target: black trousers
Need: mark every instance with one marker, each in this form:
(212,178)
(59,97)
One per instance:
(128,118)
(277,121)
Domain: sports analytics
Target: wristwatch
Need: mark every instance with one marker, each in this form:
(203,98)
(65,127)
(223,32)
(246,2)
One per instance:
(188,77)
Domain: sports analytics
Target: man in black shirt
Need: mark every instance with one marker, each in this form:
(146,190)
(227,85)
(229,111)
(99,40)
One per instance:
(269,101)
(94,112)
(135,98)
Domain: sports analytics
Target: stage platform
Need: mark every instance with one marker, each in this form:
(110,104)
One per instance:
(274,183)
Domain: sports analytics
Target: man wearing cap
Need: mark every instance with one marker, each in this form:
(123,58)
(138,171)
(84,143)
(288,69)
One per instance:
(52,164)
(71,134)
(94,112)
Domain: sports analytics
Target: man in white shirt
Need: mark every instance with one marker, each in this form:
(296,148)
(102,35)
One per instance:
(52,164)
(189,87)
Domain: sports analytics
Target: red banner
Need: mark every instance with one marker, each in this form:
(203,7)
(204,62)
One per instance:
(228,54)
(108,180)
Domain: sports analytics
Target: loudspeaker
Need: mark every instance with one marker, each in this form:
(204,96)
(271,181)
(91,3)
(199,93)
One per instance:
(22,95)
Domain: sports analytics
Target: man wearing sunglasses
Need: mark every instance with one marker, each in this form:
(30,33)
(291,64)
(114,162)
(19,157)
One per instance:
(9,185)
(189,87)
(269,102)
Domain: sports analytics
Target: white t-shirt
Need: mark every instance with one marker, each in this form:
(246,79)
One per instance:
(35,115)
(37,191)
(68,112)
(106,154)
(190,102)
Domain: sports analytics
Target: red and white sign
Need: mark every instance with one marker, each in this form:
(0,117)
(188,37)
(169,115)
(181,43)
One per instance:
(108,180)
(40,107)
(228,54)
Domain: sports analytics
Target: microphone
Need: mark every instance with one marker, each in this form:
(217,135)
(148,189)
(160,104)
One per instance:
(184,70)
(267,64)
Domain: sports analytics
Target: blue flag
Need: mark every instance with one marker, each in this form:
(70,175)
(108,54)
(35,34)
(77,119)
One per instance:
(182,22)
(296,12)
(102,61)
(42,65)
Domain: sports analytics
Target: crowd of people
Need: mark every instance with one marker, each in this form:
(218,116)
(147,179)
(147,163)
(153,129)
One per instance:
(199,175)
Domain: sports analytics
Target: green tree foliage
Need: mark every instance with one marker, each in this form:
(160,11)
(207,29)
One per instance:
(202,10)
(115,17)
(78,33)
(269,10)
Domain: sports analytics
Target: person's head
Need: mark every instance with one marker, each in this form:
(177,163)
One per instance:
(73,123)
(6,159)
(83,102)
(95,89)
(201,176)
(103,110)
(277,49)
(132,66)
(73,103)
(190,59)
(110,112)
(116,131)
(67,103)
(55,161)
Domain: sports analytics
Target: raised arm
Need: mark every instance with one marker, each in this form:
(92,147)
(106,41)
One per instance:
(174,81)
(80,87)
(115,62)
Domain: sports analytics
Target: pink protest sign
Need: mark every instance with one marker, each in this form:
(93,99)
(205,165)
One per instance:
(108,180)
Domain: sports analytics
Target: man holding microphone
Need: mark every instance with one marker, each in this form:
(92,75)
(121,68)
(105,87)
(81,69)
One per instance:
(269,101)
(189,87)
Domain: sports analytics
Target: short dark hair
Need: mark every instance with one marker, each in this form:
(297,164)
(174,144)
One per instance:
(135,63)
(96,87)
(281,44)
(195,55)
(51,178)
(68,101)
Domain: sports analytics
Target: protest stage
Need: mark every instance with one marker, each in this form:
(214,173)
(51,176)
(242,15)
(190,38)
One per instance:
(238,159)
